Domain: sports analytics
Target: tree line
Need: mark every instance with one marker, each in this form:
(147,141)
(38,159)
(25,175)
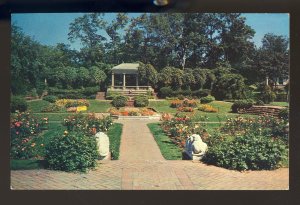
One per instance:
(181,50)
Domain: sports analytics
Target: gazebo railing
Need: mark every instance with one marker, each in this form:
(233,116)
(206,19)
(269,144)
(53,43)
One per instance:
(130,88)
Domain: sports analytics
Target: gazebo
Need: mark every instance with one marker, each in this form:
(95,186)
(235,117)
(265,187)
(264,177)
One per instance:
(126,69)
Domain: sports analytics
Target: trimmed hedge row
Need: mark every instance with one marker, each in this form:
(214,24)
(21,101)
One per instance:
(168,92)
(88,93)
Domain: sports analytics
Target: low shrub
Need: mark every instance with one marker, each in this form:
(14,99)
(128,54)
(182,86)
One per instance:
(284,114)
(88,124)
(165,92)
(72,152)
(24,134)
(175,103)
(207,99)
(119,101)
(141,101)
(88,91)
(201,93)
(72,103)
(50,98)
(51,108)
(241,104)
(248,152)
(267,95)
(18,103)
(207,108)
(189,103)
(259,102)
(185,109)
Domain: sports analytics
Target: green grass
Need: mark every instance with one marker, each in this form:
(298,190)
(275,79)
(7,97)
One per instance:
(53,116)
(221,106)
(168,149)
(162,106)
(98,106)
(37,105)
(284,104)
(114,134)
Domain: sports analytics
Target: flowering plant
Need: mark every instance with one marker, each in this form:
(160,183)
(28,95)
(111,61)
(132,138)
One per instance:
(24,132)
(207,108)
(89,124)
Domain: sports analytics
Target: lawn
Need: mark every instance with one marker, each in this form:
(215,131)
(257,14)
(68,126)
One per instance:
(168,149)
(37,105)
(95,106)
(284,104)
(55,129)
(114,134)
(99,106)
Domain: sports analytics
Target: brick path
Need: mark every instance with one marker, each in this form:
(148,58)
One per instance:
(142,167)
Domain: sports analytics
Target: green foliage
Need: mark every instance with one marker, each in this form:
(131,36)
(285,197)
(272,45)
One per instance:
(50,98)
(114,134)
(141,101)
(25,131)
(165,92)
(88,91)
(259,102)
(284,114)
(267,95)
(241,104)
(247,152)
(119,101)
(72,152)
(18,103)
(147,74)
(207,99)
(51,108)
(87,124)
(229,86)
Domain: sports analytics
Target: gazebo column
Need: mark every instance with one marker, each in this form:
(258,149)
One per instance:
(137,82)
(124,81)
(112,80)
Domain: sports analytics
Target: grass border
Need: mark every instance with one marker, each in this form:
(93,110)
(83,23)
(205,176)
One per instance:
(168,149)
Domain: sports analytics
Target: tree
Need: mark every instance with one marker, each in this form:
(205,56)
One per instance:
(147,74)
(170,76)
(83,76)
(273,57)
(86,29)
(97,75)
(229,86)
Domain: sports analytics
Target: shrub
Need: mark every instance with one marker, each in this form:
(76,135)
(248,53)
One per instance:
(24,133)
(72,152)
(165,92)
(88,91)
(175,103)
(119,101)
(248,152)
(185,109)
(259,102)
(201,93)
(72,103)
(241,104)
(88,124)
(284,114)
(51,108)
(50,98)
(18,103)
(207,108)
(189,103)
(207,99)
(141,101)
(267,95)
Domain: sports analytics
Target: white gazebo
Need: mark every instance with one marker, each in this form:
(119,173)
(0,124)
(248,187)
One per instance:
(126,69)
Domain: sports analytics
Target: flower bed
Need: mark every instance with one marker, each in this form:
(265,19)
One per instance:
(207,108)
(131,112)
(25,130)
(179,128)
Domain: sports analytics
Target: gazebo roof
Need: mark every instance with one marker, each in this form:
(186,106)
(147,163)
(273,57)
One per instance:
(127,68)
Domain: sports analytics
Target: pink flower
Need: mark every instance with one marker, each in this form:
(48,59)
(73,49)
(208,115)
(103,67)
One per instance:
(17,132)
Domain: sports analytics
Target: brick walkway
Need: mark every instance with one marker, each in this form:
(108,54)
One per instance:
(142,167)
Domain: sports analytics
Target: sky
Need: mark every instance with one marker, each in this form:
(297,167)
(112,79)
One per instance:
(50,29)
